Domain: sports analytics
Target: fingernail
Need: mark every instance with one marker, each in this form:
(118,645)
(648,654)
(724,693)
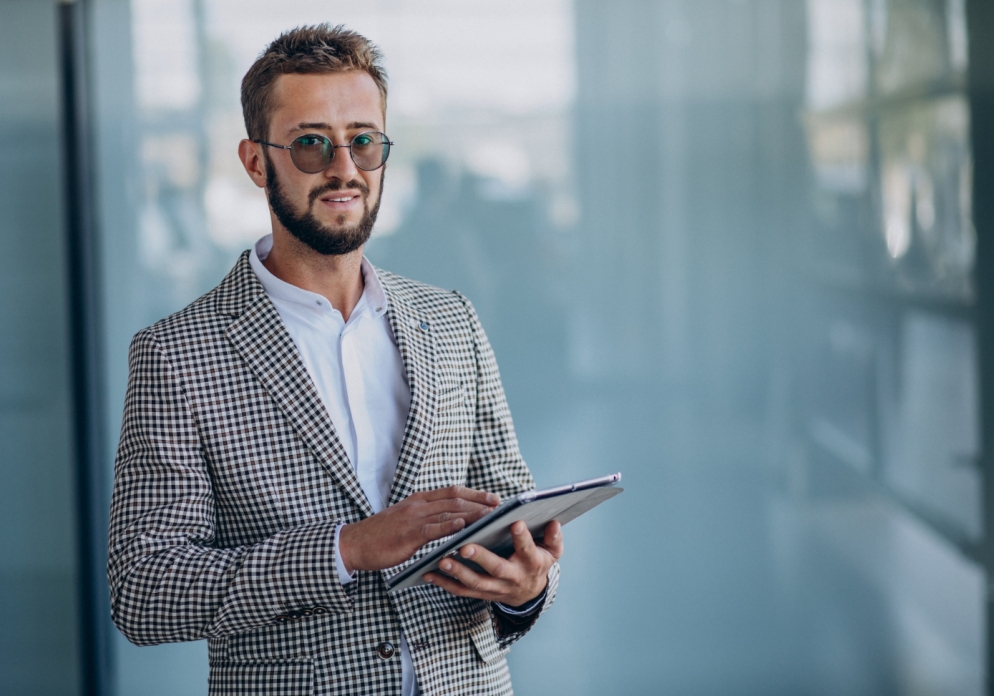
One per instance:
(492,499)
(446,565)
(469,552)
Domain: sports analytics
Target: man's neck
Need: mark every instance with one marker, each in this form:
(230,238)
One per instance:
(336,278)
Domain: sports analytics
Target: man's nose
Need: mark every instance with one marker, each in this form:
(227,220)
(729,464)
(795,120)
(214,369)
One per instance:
(341,165)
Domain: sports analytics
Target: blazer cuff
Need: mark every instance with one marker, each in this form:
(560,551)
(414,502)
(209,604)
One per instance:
(306,572)
(510,627)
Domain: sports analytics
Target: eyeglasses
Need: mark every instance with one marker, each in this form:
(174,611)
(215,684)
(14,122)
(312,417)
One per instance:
(313,153)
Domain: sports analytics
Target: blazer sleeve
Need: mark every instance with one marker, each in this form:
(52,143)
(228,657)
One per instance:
(168,579)
(496,464)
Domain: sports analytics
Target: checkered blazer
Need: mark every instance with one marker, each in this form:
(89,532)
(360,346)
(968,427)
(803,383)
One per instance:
(230,481)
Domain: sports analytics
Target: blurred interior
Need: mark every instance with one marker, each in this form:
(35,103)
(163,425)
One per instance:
(727,247)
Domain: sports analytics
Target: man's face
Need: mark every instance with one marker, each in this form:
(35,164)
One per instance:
(332,211)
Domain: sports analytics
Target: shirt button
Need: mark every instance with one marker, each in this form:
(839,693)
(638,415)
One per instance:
(424,326)
(385,650)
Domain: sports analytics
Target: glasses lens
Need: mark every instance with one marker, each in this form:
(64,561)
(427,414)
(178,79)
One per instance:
(370,150)
(311,153)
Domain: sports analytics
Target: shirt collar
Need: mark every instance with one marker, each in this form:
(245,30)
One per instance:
(372,291)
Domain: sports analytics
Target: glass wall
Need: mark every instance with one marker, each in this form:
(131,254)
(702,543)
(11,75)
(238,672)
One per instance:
(39,653)
(724,247)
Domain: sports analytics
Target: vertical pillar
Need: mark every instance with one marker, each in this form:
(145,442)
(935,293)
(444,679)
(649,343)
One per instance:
(87,383)
(980,23)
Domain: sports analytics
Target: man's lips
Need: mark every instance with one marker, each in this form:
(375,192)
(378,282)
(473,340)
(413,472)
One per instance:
(340,199)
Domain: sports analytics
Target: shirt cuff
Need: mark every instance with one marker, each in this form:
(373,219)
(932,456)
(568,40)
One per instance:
(526,609)
(343,574)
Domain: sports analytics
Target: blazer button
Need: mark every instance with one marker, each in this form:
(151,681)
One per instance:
(385,650)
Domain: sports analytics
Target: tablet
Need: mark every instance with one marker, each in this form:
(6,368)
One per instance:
(536,508)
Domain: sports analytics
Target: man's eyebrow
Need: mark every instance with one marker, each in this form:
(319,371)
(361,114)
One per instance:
(327,126)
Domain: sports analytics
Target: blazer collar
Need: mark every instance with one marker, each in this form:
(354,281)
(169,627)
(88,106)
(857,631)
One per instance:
(239,289)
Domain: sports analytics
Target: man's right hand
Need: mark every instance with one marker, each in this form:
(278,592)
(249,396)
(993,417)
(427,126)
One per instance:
(393,535)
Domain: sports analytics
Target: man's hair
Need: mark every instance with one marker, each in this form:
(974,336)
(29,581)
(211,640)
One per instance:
(322,48)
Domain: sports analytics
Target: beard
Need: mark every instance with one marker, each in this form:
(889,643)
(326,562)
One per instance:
(311,231)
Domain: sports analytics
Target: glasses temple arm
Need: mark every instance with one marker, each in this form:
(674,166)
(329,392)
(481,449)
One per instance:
(263,142)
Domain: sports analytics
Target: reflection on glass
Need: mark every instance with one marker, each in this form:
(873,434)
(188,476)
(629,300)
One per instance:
(837,58)
(933,427)
(175,250)
(840,149)
(918,43)
(926,192)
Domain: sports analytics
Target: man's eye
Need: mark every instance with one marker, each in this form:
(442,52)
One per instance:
(363,140)
(309,140)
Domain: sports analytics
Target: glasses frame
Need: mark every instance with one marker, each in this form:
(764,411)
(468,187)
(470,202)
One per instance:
(332,147)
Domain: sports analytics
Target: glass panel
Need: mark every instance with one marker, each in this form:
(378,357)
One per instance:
(39,630)
(893,250)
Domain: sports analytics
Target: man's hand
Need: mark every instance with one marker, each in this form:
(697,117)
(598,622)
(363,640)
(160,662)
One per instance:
(391,536)
(512,581)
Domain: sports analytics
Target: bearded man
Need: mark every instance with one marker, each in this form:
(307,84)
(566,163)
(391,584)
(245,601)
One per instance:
(313,425)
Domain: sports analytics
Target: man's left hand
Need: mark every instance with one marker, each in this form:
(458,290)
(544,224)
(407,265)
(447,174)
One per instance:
(512,581)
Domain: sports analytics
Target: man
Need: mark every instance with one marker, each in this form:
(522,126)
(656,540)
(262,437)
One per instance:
(313,425)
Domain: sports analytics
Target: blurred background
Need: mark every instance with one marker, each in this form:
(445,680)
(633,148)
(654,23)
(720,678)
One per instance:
(727,247)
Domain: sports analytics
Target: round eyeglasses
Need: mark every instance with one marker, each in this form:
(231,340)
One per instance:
(313,153)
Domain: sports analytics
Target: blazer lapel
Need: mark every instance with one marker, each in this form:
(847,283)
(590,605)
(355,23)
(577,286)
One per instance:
(258,335)
(416,342)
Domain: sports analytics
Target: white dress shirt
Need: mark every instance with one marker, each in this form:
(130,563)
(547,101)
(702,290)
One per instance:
(361,379)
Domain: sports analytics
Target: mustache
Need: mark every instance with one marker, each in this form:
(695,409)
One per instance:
(338,185)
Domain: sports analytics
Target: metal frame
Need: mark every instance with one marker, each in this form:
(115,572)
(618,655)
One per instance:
(980,23)
(86,354)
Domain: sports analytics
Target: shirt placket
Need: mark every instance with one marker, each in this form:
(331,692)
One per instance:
(355,386)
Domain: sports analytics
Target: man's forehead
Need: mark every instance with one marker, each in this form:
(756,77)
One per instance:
(326,101)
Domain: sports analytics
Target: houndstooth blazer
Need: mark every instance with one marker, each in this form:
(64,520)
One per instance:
(230,481)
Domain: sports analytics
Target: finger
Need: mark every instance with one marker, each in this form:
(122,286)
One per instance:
(553,539)
(453,507)
(470,578)
(437,530)
(492,563)
(470,494)
(523,542)
(467,517)
(452,586)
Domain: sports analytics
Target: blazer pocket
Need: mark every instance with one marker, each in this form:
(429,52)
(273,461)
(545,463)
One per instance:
(486,643)
(240,678)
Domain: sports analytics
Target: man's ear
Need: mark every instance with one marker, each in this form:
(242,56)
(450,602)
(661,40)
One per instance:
(255,164)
